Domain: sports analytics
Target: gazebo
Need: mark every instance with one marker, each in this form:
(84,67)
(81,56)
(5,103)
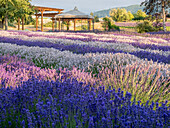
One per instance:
(73,15)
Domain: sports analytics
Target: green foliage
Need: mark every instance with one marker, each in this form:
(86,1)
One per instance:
(131,16)
(91,14)
(11,25)
(22,8)
(121,15)
(145,26)
(67,23)
(96,19)
(82,27)
(157,8)
(12,9)
(29,20)
(158,25)
(114,27)
(108,24)
(140,15)
(132,8)
(49,24)
(168,15)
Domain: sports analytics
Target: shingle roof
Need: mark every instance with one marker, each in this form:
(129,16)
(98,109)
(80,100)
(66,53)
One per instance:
(75,13)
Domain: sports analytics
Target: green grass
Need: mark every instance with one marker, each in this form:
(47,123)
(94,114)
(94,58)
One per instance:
(126,27)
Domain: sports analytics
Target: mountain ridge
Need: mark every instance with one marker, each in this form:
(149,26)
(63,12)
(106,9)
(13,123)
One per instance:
(105,12)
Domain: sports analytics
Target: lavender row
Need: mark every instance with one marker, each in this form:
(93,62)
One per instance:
(50,57)
(82,49)
(14,71)
(70,104)
(133,24)
(136,44)
(111,39)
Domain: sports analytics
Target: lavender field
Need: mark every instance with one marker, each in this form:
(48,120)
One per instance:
(84,80)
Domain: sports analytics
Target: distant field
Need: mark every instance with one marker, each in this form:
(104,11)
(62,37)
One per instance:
(132,24)
(168,28)
(126,26)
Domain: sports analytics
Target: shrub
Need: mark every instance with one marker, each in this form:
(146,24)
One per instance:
(158,26)
(114,27)
(108,24)
(146,26)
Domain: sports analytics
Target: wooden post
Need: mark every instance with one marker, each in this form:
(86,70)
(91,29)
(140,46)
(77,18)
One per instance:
(53,24)
(59,25)
(36,23)
(42,20)
(81,24)
(89,24)
(22,23)
(68,25)
(93,24)
(74,24)
(18,23)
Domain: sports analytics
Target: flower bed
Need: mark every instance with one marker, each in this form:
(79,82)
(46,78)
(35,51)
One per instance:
(161,54)
(62,82)
(69,104)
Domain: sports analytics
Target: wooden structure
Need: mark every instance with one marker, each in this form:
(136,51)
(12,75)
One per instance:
(73,15)
(41,13)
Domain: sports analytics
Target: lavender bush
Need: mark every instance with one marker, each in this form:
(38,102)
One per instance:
(141,81)
(69,104)
(15,70)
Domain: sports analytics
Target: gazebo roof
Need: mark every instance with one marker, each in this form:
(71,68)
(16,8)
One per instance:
(73,14)
(39,8)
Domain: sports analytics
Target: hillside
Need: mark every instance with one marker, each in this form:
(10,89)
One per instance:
(132,8)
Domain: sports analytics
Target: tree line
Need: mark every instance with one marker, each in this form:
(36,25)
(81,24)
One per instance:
(13,10)
(153,10)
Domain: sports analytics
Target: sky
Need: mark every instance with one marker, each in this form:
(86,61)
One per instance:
(85,6)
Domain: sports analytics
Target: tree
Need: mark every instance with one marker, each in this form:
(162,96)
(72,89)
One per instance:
(130,15)
(157,8)
(140,15)
(22,10)
(91,14)
(120,15)
(6,7)
(96,19)
(12,9)
(108,24)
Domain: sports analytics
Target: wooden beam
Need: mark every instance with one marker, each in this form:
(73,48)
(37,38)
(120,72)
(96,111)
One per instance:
(39,8)
(47,14)
(42,20)
(22,23)
(18,23)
